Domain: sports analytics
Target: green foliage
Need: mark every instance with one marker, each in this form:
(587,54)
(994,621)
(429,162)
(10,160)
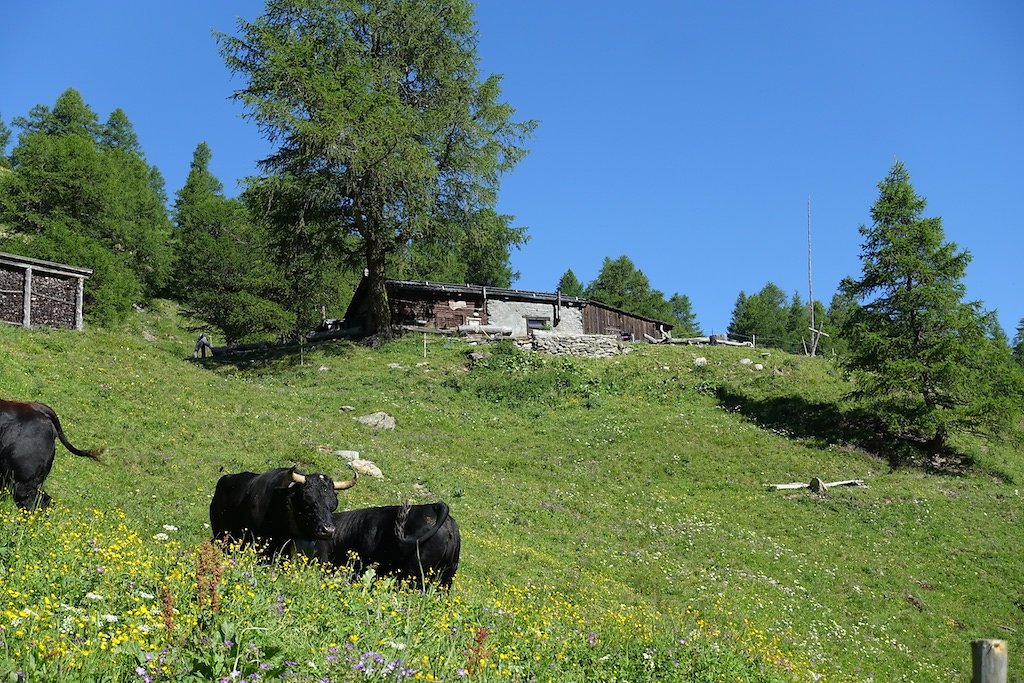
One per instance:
(622,285)
(922,358)
(769,321)
(5,139)
(223,270)
(570,285)
(683,317)
(81,193)
(477,252)
(387,135)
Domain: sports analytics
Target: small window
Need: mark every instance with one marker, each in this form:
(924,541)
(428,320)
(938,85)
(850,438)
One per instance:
(537,324)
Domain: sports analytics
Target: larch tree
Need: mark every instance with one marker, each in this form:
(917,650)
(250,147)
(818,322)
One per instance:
(384,129)
(920,356)
(569,284)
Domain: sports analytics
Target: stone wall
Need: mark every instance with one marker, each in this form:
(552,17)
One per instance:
(513,314)
(593,345)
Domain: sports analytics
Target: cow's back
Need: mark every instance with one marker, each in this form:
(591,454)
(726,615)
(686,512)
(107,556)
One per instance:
(227,508)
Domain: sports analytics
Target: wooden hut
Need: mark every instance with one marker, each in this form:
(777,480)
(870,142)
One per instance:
(36,293)
(439,305)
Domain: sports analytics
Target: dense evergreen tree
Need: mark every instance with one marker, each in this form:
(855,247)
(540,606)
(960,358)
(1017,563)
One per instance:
(222,272)
(622,285)
(569,284)
(921,357)
(81,193)
(683,317)
(385,132)
(763,316)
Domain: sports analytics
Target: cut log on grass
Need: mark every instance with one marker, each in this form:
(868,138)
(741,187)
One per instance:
(817,485)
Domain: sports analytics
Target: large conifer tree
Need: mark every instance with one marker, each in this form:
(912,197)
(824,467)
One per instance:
(919,354)
(385,130)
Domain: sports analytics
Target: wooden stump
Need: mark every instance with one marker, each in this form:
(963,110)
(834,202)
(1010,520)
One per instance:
(989,661)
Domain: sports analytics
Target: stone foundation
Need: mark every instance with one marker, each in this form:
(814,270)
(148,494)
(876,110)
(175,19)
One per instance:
(592,345)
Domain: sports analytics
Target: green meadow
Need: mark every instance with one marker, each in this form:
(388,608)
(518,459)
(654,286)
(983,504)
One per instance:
(616,515)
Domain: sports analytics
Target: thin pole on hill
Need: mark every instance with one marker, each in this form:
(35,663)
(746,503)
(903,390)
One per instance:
(810,290)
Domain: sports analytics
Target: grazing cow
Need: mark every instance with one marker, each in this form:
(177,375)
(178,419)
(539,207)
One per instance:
(419,543)
(28,433)
(277,507)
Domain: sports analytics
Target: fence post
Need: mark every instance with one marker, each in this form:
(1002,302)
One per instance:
(989,661)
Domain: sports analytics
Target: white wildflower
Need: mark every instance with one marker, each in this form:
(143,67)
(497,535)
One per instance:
(93,596)
(109,618)
(170,527)
(146,596)
(160,536)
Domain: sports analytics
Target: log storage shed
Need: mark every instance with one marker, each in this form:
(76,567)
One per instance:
(444,306)
(36,293)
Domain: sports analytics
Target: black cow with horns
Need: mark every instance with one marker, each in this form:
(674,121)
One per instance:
(418,543)
(28,434)
(278,508)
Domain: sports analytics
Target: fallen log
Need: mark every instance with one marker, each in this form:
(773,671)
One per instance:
(817,485)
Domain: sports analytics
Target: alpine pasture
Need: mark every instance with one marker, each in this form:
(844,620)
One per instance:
(616,518)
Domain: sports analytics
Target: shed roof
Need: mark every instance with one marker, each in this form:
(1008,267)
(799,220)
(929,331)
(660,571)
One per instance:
(49,266)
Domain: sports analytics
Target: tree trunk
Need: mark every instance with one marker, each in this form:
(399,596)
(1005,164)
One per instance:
(936,445)
(380,310)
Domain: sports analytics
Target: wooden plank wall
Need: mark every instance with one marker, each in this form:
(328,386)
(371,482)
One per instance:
(597,320)
(438,309)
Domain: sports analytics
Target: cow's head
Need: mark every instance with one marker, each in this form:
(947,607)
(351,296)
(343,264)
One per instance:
(314,499)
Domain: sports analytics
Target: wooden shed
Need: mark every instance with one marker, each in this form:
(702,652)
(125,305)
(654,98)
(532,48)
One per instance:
(440,305)
(37,293)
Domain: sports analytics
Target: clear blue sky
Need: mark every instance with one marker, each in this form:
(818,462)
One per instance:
(685,135)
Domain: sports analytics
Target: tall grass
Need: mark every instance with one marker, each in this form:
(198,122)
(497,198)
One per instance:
(616,523)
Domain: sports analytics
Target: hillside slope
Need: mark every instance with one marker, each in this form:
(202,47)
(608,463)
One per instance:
(641,477)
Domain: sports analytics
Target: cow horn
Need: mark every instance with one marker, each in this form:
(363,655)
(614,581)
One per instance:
(342,485)
(298,478)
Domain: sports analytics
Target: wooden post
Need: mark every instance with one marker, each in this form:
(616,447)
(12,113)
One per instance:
(989,661)
(26,316)
(78,303)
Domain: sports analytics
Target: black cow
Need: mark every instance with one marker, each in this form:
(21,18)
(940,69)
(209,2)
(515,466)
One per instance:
(277,507)
(28,433)
(419,543)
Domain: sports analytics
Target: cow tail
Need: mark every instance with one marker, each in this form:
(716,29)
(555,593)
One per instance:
(93,453)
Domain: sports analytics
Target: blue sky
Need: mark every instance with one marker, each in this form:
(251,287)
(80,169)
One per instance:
(685,135)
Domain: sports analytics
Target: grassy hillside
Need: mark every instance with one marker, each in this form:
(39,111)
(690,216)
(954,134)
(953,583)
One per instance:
(587,489)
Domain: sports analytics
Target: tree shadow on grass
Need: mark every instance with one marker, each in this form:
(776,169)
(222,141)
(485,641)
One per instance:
(268,355)
(826,423)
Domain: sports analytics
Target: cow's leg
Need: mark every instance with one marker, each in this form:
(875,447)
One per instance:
(29,495)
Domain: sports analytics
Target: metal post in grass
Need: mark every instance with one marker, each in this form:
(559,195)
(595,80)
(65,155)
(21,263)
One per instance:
(989,661)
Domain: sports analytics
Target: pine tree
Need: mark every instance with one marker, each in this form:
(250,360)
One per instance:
(916,351)
(569,284)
